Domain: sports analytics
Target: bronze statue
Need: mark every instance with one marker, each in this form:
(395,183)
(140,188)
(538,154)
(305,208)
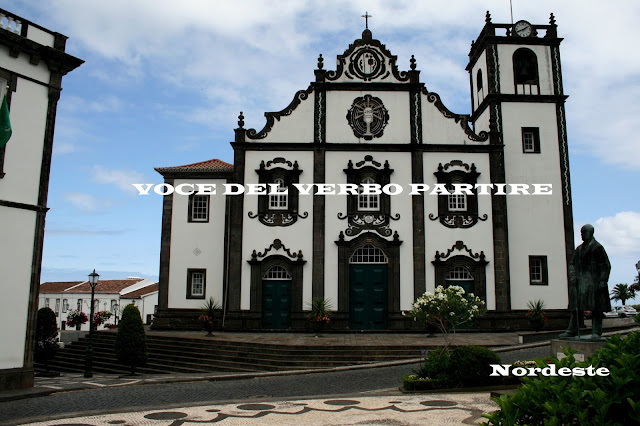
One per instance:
(588,290)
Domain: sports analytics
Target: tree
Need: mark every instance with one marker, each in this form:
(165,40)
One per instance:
(622,292)
(46,337)
(131,341)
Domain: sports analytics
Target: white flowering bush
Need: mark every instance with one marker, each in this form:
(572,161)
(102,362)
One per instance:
(446,309)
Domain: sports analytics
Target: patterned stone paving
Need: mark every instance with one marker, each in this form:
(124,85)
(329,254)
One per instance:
(440,409)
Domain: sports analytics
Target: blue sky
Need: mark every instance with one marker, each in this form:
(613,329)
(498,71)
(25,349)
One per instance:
(163,84)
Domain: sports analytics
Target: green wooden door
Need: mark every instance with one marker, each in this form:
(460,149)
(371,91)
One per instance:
(276,304)
(368,284)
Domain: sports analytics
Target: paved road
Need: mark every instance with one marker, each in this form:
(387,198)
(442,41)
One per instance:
(113,399)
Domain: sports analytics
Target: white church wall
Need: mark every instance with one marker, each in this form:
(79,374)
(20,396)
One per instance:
(21,65)
(397,130)
(39,36)
(438,237)
(16,226)
(478,96)
(482,122)
(505,58)
(400,162)
(536,223)
(297,127)
(186,237)
(438,129)
(257,236)
(23,153)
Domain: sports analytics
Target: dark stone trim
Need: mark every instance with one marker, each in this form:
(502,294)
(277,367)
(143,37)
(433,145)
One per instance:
(391,250)
(319,218)
(502,97)
(300,96)
(368,87)
(235,232)
(189,294)
(556,70)
(476,267)
(320,115)
(56,60)
(15,76)
(417,204)
(462,119)
(499,214)
(260,267)
(290,174)
(26,23)
(372,147)
(567,203)
(23,206)
(165,249)
(16,378)
(481,44)
(415,112)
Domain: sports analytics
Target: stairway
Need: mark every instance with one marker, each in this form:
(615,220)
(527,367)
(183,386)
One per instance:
(169,354)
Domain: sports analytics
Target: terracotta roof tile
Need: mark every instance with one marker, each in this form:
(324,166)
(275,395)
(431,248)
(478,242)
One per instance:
(107,286)
(57,287)
(213,165)
(140,292)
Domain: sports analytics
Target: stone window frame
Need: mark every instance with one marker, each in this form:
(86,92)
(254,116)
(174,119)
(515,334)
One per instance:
(191,212)
(260,267)
(269,173)
(535,134)
(190,272)
(475,263)
(544,270)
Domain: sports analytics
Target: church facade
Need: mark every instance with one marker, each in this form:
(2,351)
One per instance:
(265,256)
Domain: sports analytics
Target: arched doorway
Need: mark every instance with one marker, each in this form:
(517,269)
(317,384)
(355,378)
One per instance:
(276,298)
(461,276)
(368,288)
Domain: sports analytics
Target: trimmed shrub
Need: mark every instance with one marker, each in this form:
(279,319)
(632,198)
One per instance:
(597,400)
(46,336)
(131,341)
(462,367)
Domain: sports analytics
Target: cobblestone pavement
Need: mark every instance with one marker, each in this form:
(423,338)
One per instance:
(112,396)
(389,410)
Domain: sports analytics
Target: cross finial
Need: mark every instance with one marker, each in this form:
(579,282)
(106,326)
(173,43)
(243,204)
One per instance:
(366,17)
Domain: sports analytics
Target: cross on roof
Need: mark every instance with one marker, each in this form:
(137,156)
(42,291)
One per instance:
(366,17)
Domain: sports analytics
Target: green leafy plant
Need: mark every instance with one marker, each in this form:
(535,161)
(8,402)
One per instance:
(320,313)
(446,309)
(46,337)
(209,311)
(131,341)
(607,400)
(536,314)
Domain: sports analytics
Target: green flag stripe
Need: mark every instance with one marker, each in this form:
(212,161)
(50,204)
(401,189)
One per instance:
(5,123)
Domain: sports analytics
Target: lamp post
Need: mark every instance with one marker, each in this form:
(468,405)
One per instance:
(88,371)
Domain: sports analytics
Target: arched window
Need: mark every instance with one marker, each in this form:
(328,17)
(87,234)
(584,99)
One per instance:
(525,72)
(277,273)
(459,273)
(368,202)
(368,254)
(278,201)
(479,88)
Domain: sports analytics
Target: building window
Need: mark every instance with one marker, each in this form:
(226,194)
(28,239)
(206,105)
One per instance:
(538,270)
(79,305)
(65,305)
(479,88)
(198,208)
(46,302)
(277,200)
(196,283)
(368,202)
(525,72)
(114,305)
(57,309)
(458,208)
(277,273)
(368,254)
(459,273)
(531,140)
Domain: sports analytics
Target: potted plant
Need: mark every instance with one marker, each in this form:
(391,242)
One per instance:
(76,318)
(536,315)
(208,315)
(320,315)
(100,318)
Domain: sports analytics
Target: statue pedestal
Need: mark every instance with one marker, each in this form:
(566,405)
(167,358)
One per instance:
(584,347)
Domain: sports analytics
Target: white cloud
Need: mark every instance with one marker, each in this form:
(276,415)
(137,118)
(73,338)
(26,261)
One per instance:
(85,202)
(64,148)
(619,234)
(123,179)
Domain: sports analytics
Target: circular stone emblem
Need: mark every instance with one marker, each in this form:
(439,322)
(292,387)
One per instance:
(367,117)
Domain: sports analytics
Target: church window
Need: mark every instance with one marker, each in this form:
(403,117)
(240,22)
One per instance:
(459,273)
(198,208)
(368,254)
(479,88)
(368,202)
(531,140)
(459,207)
(456,202)
(278,201)
(65,305)
(277,273)
(538,270)
(196,283)
(525,72)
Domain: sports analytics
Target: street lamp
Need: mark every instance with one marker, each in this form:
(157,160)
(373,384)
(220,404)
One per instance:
(88,371)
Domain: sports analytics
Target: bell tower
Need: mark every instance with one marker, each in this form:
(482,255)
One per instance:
(517,96)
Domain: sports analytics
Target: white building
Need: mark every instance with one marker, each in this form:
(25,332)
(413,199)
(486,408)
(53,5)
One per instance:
(32,63)
(110,295)
(266,256)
